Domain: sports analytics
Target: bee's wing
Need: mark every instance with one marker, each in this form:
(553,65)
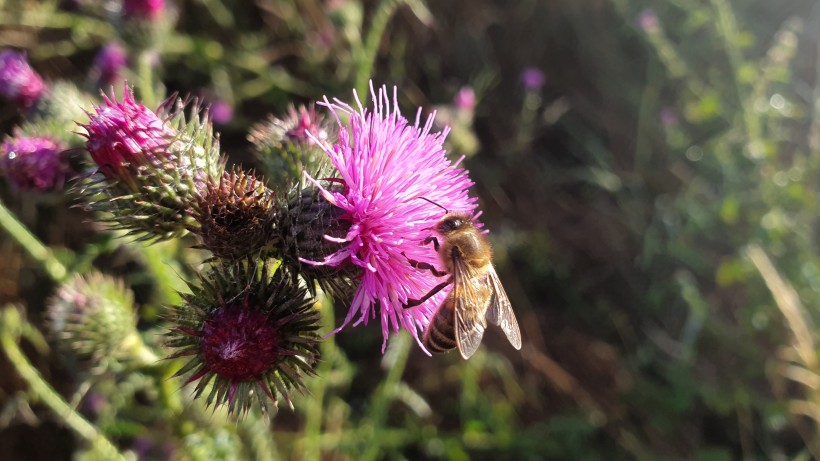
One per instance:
(500,311)
(470,306)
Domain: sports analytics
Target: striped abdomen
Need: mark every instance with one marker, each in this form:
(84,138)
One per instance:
(440,335)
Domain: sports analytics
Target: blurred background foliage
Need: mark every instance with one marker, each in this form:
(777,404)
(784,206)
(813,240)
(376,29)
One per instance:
(653,210)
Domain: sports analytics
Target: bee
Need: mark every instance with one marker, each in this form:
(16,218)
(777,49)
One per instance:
(477,294)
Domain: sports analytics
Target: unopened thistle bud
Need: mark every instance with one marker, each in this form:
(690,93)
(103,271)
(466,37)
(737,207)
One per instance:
(94,316)
(235,217)
(18,81)
(34,163)
(287,146)
(252,336)
(150,166)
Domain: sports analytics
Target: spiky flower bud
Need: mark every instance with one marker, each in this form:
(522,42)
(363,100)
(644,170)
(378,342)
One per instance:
(94,316)
(235,216)
(18,81)
(310,229)
(287,146)
(252,336)
(150,166)
(34,163)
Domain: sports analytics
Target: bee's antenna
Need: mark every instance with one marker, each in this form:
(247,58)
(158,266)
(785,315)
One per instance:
(446,211)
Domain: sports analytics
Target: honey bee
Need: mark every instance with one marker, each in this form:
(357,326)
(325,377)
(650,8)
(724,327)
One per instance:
(477,294)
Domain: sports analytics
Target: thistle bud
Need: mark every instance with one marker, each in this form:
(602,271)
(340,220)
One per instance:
(235,216)
(34,163)
(18,81)
(310,229)
(150,166)
(289,145)
(251,336)
(94,316)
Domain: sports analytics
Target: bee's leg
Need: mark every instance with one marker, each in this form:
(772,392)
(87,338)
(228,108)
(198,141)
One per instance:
(424,266)
(429,239)
(430,294)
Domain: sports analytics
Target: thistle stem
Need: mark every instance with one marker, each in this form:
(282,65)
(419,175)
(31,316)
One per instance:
(386,392)
(32,245)
(146,77)
(315,409)
(367,59)
(10,322)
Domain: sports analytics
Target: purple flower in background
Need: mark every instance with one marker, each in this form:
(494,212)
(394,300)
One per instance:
(221,112)
(648,20)
(18,81)
(123,135)
(669,117)
(110,61)
(392,175)
(143,9)
(533,78)
(465,99)
(33,163)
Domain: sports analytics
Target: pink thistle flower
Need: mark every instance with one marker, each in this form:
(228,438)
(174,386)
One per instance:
(390,171)
(221,112)
(34,163)
(648,21)
(465,99)
(121,136)
(110,61)
(18,81)
(301,121)
(533,78)
(143,9)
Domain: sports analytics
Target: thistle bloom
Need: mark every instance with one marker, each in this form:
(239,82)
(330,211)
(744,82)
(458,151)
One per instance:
(122,136)
(533,78)
(394,181)
(18,81)
(34,163)
(465,99)
(151,167)
(251,335)
(110,61)
(221,112)
(648,21)
(143,9)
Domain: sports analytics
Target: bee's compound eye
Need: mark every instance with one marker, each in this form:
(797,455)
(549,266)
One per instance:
(449,225)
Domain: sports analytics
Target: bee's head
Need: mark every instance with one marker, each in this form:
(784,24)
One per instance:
(453,222)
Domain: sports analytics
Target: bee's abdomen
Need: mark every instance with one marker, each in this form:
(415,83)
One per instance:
(440,335)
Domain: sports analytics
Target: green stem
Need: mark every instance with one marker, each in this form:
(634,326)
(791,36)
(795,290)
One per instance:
(367,59)
(146,78)
(315,410)
(32,245)
(385,393)
(45,393)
